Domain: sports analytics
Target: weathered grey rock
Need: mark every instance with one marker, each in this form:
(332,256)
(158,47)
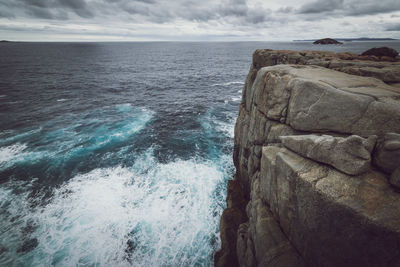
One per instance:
(339,102)
(314,211)
(260,241)
(245,247)
(351,155)
(278,129)
(316,99)
(395,178)
(344,62)
(387,155)
(331,218)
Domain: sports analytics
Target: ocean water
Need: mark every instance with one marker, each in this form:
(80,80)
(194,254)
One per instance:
(118,154)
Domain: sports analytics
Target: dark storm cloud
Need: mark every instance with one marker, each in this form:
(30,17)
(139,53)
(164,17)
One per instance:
(46,9)
(157,11)
(6,14)
(320,6)
(350,7)
(359,8)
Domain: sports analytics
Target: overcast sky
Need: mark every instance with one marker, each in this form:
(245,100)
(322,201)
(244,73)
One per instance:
(200,20)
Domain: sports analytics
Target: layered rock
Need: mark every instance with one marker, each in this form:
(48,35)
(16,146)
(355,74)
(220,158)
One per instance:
(351,155)
(367,66)
(316,160)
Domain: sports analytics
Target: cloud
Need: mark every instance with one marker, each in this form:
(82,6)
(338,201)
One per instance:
(320,6)
(360,8)
(187,18)
(46,9)
(350,7)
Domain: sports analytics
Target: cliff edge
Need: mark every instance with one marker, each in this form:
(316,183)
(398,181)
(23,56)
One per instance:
(317,157)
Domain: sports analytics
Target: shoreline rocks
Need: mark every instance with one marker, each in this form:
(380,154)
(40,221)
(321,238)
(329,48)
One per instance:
(381,52)
(307,132)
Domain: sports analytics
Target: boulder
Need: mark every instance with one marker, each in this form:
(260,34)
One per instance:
(381,52)
(351,155)
(387,154)
(327,41)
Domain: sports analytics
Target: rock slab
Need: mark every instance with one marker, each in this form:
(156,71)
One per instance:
(351,155)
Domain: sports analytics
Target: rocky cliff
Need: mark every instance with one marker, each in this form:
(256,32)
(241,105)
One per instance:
(317,156)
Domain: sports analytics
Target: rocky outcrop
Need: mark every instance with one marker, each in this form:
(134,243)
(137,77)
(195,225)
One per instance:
(316,156)
(366,66)
(327,41)
(381,52)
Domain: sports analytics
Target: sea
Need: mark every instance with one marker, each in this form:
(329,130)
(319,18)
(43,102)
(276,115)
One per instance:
(118,154)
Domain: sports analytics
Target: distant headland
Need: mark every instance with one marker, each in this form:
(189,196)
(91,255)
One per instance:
(366,39)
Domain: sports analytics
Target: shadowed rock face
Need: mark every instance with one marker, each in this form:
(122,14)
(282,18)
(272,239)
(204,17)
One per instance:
(381,52)
(305,137)
(327,41)
(231,218)
(387,154)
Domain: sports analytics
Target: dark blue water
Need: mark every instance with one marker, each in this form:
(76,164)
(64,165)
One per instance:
(117,154)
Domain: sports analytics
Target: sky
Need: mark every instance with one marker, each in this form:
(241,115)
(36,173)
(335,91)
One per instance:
(200,20)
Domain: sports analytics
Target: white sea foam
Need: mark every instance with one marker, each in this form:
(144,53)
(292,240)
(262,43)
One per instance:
(236,98)
(18,153)
(9,152)
(226,127)
(228,83)
(62,100)
(134,125)
(152,214)
(124,107)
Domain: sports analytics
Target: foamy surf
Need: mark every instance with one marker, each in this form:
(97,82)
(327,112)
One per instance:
(151,214)
(228,83)
(18,153)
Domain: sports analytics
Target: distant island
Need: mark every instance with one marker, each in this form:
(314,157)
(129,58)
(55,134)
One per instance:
(4,41)
(352,39)
(326,41)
